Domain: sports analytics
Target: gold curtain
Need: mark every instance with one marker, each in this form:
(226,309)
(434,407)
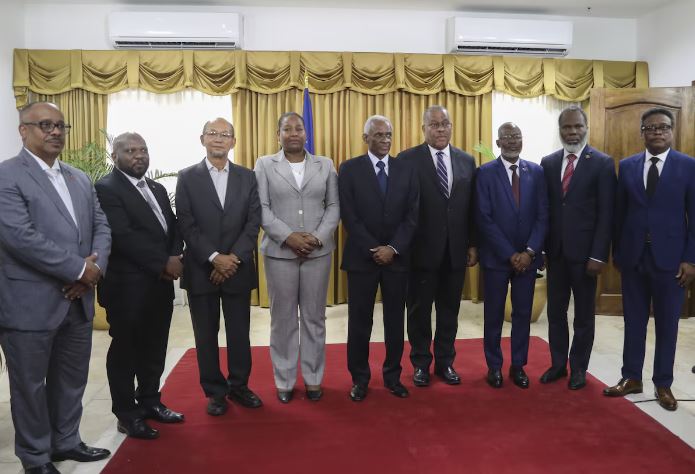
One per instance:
(85,111)
(338,124)
(346,88)
(225,72)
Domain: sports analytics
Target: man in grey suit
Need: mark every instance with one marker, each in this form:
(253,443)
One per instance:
(54,246)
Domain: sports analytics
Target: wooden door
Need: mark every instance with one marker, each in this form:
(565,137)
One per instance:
(615,129)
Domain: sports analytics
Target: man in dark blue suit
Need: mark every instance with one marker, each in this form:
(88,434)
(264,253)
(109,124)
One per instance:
(581,196)
(379,208)
(655,252)
(512,219)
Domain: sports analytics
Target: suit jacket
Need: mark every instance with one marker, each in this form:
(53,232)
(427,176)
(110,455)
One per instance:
(207,227)
(141,247)
(668,217)
(580,223)
(41,248)
(287,208)
(372,219)
(504,227)
(443,221)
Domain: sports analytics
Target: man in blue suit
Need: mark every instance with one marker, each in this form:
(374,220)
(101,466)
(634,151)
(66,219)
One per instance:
(581,196)
(379,208)
(655,251)
(512,221)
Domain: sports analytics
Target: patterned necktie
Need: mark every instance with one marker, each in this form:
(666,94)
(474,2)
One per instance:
(652,176)
(382,177)
(569,171)
(442,174)
(515,185)
(153,206)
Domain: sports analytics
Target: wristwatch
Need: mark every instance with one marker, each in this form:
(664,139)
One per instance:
(530,253)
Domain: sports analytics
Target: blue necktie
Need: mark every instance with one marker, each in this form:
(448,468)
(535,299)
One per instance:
(442,174)
(382,177)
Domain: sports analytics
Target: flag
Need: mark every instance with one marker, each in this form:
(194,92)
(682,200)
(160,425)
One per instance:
(308,119)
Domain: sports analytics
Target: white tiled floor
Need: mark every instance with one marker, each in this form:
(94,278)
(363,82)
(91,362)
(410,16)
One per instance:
(98,425)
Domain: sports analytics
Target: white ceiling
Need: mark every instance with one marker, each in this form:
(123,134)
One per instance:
(596,8)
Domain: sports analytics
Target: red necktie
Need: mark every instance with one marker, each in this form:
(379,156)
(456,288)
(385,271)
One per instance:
(569,171)
(515,185)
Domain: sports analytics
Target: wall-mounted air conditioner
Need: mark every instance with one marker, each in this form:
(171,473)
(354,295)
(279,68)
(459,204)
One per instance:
(175,30)
(508,36)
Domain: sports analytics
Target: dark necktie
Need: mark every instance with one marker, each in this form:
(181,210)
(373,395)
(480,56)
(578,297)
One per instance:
(153,206)
(652,176)
(569,171)
(515,185)
(442,174)
(382,177)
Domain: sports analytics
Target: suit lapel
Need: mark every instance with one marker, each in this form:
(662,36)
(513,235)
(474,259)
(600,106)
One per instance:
(456,170)
(667,172)
(638,177)
(312,168)
(75,195)
(503,178)
(138,203)
(233,185)
(367,170)
(283,169)
(205,184)
(525,184)
(39,175)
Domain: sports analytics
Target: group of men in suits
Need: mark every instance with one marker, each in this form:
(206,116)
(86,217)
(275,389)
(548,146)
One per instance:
(414,224)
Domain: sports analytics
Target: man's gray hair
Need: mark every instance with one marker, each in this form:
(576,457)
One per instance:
(372,119)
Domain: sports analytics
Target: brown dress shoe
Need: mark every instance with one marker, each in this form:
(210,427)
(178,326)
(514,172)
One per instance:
(666,398)
(624,387)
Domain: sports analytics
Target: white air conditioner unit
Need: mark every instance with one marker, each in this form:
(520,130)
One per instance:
(507,36)
(175,30)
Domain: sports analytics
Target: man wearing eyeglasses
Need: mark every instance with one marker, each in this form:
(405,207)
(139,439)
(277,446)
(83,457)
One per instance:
(54,247)
(654,251)
(219,214)
(443,246)
(581,195)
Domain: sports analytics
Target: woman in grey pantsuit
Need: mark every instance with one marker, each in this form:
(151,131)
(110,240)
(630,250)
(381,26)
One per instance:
(299,196)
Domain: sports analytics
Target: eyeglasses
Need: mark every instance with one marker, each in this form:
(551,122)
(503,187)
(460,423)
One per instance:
(439,125)
(655,128)
(516,136)
(215,134)
(48,126)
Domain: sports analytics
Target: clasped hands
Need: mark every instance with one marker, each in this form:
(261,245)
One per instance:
(90,277)
(224,267)
(520,261)
(173,269)
(383,254)
(302,243)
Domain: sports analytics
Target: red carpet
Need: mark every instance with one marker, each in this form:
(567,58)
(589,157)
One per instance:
(470,428)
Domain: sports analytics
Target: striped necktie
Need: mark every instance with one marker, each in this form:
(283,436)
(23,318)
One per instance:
(569,171)
(153,206)
(442,174)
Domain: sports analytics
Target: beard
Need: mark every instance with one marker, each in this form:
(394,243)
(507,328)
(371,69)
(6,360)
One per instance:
(575,148)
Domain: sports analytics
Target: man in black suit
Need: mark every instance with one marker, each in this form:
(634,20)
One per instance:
(443,245)
(219,216)
(138,291)
(581,194)
(379,208)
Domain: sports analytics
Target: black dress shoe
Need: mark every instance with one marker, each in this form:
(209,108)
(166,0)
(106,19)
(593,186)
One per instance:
(217,406)
(47,468)
(358,392)
(285,396)
(397,389)
(137,428)
(577,380)
(553,374)
(518,376)
(244,397)
(494,378)
(81,453)
(421,377)
(163,414)
(314,395)
(449,375)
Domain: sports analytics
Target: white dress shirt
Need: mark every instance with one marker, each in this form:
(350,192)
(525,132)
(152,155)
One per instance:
(648,163)
(375,160)
(565,161)
(508,165)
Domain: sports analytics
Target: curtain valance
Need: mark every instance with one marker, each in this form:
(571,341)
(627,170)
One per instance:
(225,72)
